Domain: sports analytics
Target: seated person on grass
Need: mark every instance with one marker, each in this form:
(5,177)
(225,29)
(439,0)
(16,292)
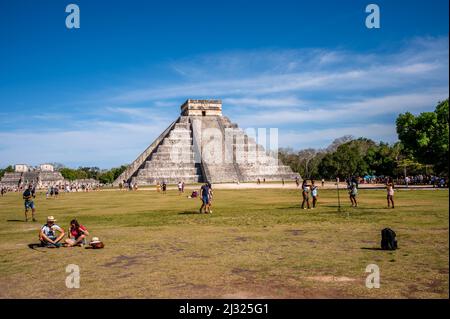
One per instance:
(77,234)
(47,234)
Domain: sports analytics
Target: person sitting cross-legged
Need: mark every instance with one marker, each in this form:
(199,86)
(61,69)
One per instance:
(77,234)
(47,234)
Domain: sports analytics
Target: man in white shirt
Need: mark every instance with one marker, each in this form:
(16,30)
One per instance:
(47,234)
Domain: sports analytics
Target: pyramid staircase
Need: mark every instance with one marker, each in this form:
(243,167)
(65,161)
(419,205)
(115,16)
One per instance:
(194,149)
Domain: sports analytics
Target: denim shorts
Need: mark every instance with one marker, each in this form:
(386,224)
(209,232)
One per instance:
(29,204)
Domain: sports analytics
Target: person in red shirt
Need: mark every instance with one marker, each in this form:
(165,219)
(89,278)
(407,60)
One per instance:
(77,234)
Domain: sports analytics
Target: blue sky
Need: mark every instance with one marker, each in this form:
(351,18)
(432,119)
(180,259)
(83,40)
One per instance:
(100,94)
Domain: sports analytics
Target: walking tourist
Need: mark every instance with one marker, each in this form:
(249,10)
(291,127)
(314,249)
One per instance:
(29,203)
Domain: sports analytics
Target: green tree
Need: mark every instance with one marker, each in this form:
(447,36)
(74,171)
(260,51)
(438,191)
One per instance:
(348,159)
(425,137)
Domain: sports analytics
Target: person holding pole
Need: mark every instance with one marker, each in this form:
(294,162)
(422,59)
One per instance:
(314,193)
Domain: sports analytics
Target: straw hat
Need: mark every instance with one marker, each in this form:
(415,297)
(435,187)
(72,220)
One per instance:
(51,219)
(95,240)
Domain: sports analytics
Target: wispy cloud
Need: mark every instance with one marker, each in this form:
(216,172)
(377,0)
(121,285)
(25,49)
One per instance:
(311,95)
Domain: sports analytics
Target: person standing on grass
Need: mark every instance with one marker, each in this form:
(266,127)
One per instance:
(77,234)
(314,193)
(210,197)
(164,187)
(323,182)
(29,203)
(353,192)
(204,195)
(390,192)
(297,182)
(47,234)
(180,187)
(305,194)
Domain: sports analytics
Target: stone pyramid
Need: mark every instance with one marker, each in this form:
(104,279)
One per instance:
(203,145)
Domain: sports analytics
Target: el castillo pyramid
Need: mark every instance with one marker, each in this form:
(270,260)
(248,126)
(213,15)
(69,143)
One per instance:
(203,145)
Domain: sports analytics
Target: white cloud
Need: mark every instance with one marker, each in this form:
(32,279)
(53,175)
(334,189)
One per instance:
(317,138)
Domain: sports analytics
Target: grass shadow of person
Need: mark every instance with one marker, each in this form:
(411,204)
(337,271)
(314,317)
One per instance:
(34,246)
(15,220)
(192,212)
(375,248)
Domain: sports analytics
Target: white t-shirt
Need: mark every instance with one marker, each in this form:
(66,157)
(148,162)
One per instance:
(50,232)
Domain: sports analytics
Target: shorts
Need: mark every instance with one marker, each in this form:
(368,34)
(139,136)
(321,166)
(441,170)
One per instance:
(205,199)
(73,240)
(29,204)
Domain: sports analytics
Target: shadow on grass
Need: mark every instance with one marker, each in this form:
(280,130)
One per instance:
(377,248)
(15,220)
(189,213)
(34,246)
(290,207)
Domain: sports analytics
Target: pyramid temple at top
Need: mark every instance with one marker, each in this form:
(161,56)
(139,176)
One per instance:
(203,145)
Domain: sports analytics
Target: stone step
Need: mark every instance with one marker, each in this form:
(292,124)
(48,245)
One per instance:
(162,175)
(180,134)
(174,157)
(168,180)
(186,126)
(169,165)
(176,148)
(179,141)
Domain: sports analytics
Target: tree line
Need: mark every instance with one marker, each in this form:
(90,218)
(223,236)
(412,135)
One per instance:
(103,176)
(422,149)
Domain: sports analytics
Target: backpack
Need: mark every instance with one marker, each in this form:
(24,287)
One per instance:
(388,239)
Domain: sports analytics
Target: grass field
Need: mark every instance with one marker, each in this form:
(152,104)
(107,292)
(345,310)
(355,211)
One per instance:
(257,243)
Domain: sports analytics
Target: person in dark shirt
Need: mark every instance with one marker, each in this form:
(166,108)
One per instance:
(204,195)
(28,202)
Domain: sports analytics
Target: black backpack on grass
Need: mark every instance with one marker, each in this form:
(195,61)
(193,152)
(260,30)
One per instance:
(388,239)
